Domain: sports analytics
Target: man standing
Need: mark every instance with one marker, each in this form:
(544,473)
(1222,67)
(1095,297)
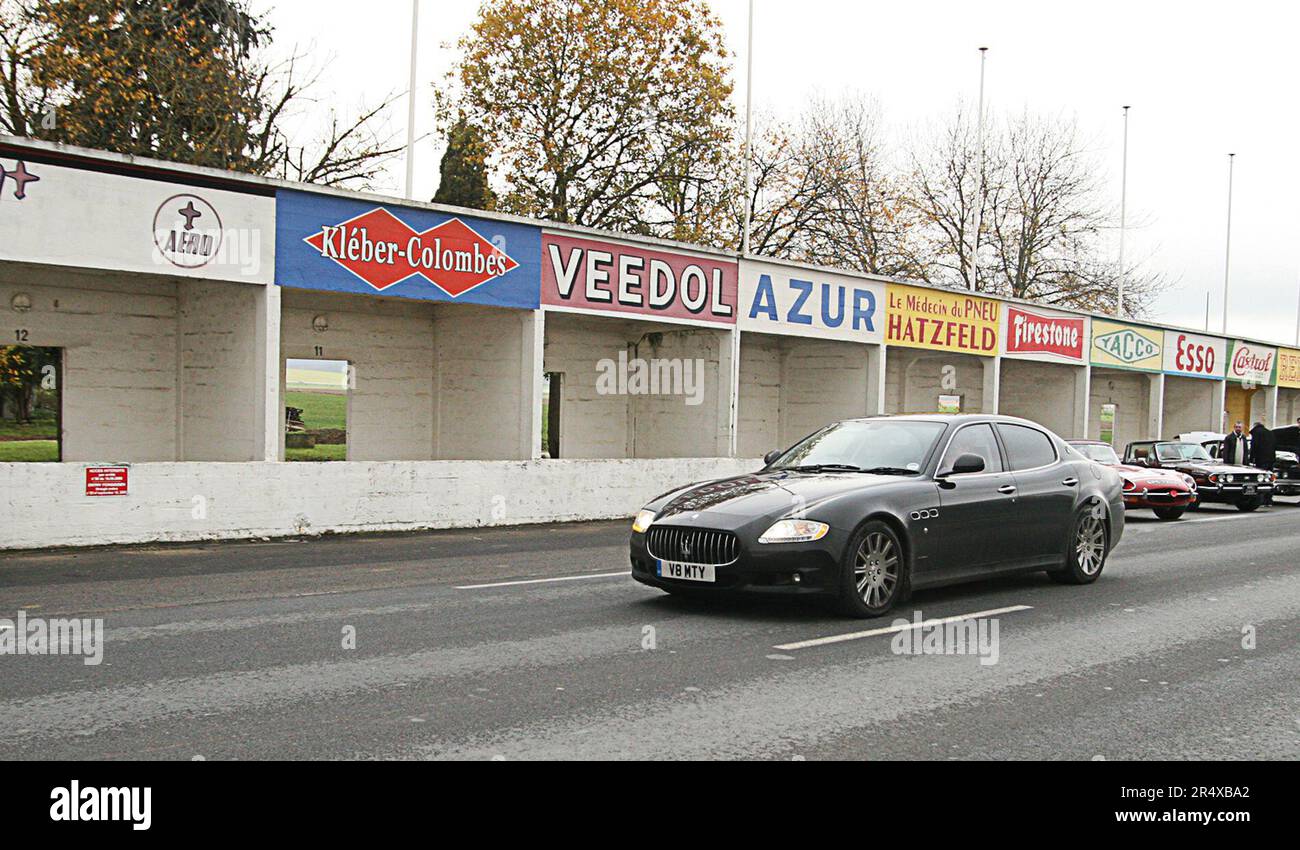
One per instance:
(1263,450)
(1236,449)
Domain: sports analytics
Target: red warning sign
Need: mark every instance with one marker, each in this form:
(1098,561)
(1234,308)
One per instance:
(106,480)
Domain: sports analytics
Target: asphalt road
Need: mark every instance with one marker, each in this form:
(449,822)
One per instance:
(236,651)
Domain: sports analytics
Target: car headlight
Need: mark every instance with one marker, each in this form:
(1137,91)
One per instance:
(794,531)
(1228,479)
(1189,481)
(642,521)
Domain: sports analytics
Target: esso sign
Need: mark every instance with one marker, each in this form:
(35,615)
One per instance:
(1195,355)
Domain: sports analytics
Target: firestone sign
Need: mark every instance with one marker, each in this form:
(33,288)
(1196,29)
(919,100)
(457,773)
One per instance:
(780,299)
(1038,336)
(1252,364)
(343,245)
(1126,346)
(580,274)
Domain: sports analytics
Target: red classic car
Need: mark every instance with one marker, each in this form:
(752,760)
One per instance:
(1167,492)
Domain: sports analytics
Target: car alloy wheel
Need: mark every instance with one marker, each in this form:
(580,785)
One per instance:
(1090,544)
(876,569)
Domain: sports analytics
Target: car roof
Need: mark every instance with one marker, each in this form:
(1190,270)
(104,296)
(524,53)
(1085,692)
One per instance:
(1089,443)
(958,418)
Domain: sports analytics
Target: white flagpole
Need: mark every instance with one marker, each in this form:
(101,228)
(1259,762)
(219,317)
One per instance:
(979,183)
(1227,248)
(1123,217)
(410,101)
(749,127)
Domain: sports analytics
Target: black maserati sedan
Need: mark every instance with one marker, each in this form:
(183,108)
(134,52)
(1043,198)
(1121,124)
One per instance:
(865,510)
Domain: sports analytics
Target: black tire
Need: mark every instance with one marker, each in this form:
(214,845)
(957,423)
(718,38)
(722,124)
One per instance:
(1168,514)
(1248,505)
(874,574)
(1194,504)
(1085,548)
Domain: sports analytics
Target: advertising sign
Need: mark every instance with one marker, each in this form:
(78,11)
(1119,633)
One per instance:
(67,216)
(941,321)
(350,245)
(1288,368)
(1040,335)
(1251,363)
(780,299)
(1124,346)
(107,480)
(1195,355)
(640,280)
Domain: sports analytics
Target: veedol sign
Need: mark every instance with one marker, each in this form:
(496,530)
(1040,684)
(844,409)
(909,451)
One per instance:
(124,223)
(781,299)
(582,274)
(1039,336)
(345,245)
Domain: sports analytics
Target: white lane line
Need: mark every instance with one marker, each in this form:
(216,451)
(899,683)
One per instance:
(805,644)
(540,580)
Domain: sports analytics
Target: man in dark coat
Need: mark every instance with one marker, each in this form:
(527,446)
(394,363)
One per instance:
(1263,448)
(1236,448)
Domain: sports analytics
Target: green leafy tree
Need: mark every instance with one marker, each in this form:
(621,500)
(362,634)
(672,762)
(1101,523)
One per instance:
(464,169)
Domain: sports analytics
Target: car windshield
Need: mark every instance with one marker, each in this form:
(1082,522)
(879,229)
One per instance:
(1180,451)
(879,445)
(1099,452)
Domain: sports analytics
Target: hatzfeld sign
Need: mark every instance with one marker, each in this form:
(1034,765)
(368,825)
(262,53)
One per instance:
(346,245)
(583,275)
(1038,336)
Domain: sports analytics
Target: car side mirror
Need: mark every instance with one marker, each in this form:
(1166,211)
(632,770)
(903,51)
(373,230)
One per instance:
(964,465)
(771,456)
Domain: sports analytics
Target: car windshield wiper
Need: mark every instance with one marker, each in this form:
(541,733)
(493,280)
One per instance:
(824,467)
(890,470)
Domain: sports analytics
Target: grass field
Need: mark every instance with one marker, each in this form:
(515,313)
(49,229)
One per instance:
(29,451)
(319,453)
(39,429)
(319,409)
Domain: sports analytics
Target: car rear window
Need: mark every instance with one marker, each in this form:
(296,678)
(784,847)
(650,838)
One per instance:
(1027,448)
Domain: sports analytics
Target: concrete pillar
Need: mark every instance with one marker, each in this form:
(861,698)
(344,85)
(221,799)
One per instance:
(1082,397)
(992,383)
(733,412)
(1218,403)
(1155,407)
(876,379)
(530,384)
(1270,407)
(270,367)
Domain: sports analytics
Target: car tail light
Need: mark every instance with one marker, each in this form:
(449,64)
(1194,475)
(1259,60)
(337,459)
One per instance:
(1128,485)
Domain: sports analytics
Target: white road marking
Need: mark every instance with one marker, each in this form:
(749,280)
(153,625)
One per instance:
(540,580)
(822,641)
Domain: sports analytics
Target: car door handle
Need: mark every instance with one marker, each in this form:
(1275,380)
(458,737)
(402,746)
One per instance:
(1007,489)
(1070,482)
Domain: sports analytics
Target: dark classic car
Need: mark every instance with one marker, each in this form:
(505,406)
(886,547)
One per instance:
(1243,486)
(865,510)
(1286,462)
(1167,492)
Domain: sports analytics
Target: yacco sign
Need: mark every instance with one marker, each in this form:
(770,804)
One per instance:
(802,302)
(1124,346)
(1288,368)
(347,245)
(1035,335)
(1195,355)
(1251,363)
(940,320)
(66,216)
(620,277)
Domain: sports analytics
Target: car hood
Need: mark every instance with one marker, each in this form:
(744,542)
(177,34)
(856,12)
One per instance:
(1216,467)
(1147,473)
(729,502)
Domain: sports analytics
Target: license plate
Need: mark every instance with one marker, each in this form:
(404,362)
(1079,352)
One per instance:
(687,572)
(1248,489)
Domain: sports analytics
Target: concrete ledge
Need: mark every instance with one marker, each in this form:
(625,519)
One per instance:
(43,505)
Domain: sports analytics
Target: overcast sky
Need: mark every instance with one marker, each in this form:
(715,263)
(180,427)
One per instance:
(1203,79)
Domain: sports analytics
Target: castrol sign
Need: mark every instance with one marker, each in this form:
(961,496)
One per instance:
(1044,336)
(1195,355)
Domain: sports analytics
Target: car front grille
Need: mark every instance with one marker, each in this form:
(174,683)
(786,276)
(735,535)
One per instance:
(692,545)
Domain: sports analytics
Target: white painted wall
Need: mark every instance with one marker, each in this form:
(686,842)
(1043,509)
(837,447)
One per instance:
(1046,393)
(601,425)
(1131,393)
(914,380)
(1191,404)
(42,504)
(758,422)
